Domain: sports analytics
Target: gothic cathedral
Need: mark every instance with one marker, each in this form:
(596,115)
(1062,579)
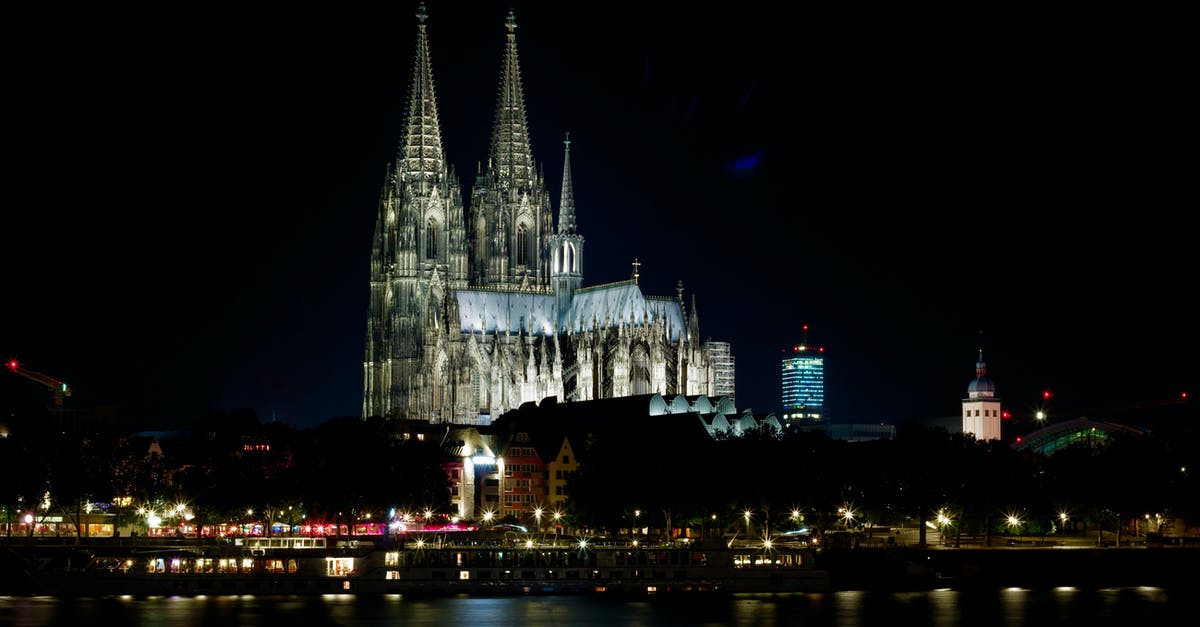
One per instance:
(477,309)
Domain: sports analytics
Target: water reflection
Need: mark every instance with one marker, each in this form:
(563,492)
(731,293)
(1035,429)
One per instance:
(938,608)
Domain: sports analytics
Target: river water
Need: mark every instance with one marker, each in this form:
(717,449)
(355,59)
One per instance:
(1126,607)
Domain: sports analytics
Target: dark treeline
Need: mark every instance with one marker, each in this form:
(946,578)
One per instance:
(978,485)
(761,482)
(343,470)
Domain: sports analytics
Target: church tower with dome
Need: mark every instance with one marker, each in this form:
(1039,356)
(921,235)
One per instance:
(981,407)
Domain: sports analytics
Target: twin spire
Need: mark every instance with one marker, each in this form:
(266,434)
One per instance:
(511,155)
(421,157)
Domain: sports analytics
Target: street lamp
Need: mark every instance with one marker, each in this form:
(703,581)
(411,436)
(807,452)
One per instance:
(1014,523)
(537,514)
(746,515)
(847,515)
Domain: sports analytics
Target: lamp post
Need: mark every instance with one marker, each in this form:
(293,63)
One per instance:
(537,514)
(1014,523)
(746,515)
(943,521)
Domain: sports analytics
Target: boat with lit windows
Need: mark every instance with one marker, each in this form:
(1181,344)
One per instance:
(432,564)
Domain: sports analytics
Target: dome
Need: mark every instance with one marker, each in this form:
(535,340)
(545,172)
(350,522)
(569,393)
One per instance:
(981,386)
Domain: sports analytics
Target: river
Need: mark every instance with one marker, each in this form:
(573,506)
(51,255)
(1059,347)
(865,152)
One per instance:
(944,608)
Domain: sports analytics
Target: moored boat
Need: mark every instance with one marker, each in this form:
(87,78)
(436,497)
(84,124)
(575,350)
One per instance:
(430,565)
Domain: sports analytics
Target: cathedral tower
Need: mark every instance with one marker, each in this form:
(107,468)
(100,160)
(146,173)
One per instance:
(420,238)
(511,218)
(566,246)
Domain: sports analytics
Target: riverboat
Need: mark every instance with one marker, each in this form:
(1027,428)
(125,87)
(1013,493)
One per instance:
(436,565)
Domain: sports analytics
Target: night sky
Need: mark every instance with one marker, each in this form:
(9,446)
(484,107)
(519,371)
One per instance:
(189,192)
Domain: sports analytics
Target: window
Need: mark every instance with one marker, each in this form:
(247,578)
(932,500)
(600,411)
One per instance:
(522,245)
(566,459)
(431,240)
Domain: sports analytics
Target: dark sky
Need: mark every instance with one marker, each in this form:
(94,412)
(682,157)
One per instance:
(190,190)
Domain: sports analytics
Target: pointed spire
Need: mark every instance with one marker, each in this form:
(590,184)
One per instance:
(511,157)
(693,322)
(421,156)
(566,206)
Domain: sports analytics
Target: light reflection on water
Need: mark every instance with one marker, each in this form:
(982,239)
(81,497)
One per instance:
(1012,607)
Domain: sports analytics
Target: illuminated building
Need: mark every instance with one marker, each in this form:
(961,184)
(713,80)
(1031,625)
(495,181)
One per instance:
(478,307)
(981,408)
(723,368)
(803,383)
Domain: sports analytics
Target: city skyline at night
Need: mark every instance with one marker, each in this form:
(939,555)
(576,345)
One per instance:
(191,193)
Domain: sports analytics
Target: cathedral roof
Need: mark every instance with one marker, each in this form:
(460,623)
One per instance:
(622,302)
(501,311)
(605,306)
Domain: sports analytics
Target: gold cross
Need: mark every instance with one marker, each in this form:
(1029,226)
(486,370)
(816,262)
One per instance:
(636,264)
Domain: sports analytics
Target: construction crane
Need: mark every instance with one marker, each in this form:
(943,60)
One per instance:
(59,389)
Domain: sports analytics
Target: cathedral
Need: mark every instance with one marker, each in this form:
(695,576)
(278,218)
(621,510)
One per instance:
(477,305)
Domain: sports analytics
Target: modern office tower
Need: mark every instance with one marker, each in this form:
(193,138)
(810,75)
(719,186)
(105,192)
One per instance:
(803,382)
(723,368)
(981,408)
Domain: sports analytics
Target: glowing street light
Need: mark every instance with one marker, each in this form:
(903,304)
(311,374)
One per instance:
(746,514)
(537,514)
(1014,523)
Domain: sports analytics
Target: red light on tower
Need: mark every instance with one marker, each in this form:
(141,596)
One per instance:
(12,365)
(1005,415)
(805,327)
(1046,395)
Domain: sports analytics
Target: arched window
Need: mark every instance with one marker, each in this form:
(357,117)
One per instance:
(431,240)
(639,373)
(522,245)
(568,257)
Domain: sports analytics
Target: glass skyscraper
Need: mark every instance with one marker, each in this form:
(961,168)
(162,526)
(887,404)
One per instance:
(803,380)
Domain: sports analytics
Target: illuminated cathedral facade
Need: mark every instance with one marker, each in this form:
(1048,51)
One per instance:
(478,307)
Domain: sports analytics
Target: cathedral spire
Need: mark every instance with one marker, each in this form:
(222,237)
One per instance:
(512,157)
(566,206)
(421,157)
